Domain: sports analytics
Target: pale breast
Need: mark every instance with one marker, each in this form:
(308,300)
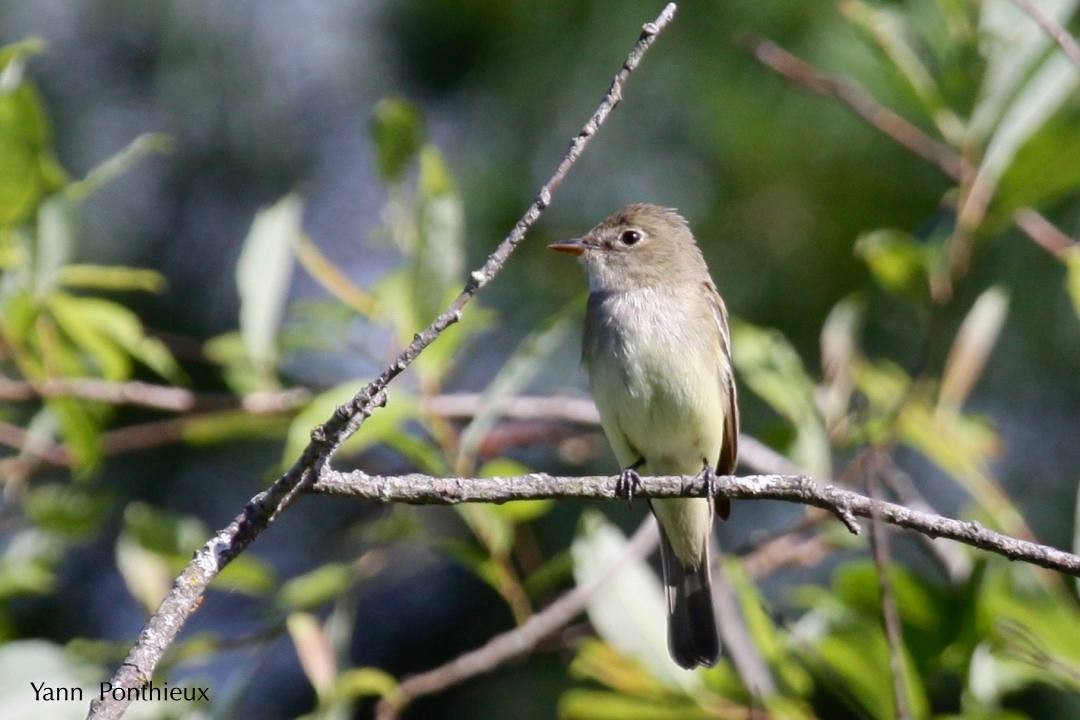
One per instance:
(653,358)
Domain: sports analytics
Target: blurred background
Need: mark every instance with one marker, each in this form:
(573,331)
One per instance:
(217,220)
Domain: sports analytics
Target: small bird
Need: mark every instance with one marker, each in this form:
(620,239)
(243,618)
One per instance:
(658,354)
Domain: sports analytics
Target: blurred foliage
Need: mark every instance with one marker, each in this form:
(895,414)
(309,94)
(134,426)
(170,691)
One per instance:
(998,642)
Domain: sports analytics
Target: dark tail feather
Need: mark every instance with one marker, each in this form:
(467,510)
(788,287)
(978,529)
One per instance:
(693,638)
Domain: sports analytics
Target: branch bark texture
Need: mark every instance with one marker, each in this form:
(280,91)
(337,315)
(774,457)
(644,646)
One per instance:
(846,505)
(186,592)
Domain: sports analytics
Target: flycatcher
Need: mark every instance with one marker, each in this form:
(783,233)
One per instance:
(658,353)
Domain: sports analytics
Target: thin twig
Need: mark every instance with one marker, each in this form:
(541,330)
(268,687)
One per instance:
(517,642)
(805,75)
(890,617)
(149,395)
(900,130)
(846,505)
(1059,35)
(264,508)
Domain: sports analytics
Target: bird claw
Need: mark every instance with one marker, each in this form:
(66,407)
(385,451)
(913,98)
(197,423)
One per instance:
(628,483)
(708,474)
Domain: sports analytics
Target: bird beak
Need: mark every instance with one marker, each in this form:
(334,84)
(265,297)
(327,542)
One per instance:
(574,247)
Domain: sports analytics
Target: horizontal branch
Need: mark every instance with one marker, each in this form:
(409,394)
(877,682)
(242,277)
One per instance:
(845,504)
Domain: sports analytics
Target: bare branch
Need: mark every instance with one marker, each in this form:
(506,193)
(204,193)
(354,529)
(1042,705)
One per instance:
(149,395)
(900,130)
(262,509)
(858,100)
(844,504)
(516,642)
(1059,35)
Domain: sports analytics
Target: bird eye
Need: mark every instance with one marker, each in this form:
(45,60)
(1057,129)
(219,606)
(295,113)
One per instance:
(630,237)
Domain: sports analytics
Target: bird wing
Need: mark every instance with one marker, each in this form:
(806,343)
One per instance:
(729,450)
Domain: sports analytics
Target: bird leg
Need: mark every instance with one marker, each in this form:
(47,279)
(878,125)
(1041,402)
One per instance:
(629,482)
(708,474)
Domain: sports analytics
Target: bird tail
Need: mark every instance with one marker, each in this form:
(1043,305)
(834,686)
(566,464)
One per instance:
(693,637)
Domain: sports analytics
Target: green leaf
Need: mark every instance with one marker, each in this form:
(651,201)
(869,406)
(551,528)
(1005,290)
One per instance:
(28,169)
(629,598)
(1045,168)
(362,682)
(146,574)
(1040,98)
(313,588)
(972,346)
(111,277)
(1013,45)
(314,651)
(515,511)
(1072,276)
(897,261)
(530,357)
(767,638)
(397,130)
(770,366)
(599,705)
(80,428)
(263,275)
(98,325)
(380,427)
(246,574)
(490,527)
(439,259)
(67,510)
(55,241)
(228,426)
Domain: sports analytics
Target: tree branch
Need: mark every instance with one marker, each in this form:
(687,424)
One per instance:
(261,510)
(899,129)
(517,641)
(846,505)
(1057,33)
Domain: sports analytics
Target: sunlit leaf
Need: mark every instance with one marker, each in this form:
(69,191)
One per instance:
(516,511)
(90,320)
(227,426)
(530,357)
(1012,43)
(631,597)
(770,366)
(397,130)
(839,349)
(377,429)
(81,429)
(263,274)
(897,261)
(1040,98)
(439,259)
(54,241)
(766,636)
(28,169)
(974,340)
(313,588)
(363,682)
(247,574)
(110,277)
(332,278)
(600,705)
(1072,277)
(314,651)
(147,575)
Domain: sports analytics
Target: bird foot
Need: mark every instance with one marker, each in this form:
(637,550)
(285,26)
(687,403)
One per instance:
(629,483)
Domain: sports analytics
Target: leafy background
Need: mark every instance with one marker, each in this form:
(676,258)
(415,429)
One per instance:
(253,203)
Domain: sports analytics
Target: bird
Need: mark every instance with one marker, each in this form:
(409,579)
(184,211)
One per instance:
(657,351)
